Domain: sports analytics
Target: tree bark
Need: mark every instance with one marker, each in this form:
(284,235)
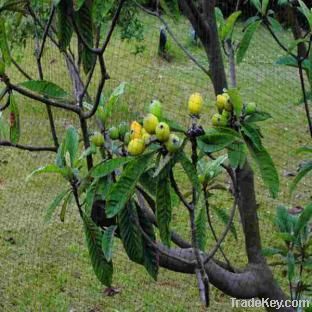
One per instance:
(206,27)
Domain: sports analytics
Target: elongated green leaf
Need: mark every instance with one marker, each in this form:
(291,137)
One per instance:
(283,220)
(123,189)
(271,251)
(4,127)
(304,219)
(304,170)
(111,102)
(165,162)
(71,143)
(4,48)
(216,139)
(220,18)
(246,40)
(49,169)
(148,182)
(294,44)
(45,88)
(291,264)
(237,101)
(292,62)
(304,149)
(66,202)
(130,232)
(275,24)
(190,171)
(268,171)
(102,268)
(224,217)
(258,116)
(264,6)
(55,203)
(108,242)
(227,29)
(256,4)
(85,25)
(64,24)
(237,155)
(211,169)
(287,237)
(108,166)
(307,13)
(151,257)
(163,207)
(201,229)
(253,134)
(15,131)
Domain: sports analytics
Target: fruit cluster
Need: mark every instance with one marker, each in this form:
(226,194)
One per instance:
(152,130)
(225,110)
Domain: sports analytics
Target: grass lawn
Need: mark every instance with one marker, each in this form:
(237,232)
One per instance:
(45,267)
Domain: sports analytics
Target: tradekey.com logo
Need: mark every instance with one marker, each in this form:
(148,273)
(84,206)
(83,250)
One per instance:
(267,303)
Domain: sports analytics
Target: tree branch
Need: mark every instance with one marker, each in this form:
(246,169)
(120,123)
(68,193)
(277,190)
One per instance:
(104,77)
(29,147)
(224,233)
(21,70)
(42,99)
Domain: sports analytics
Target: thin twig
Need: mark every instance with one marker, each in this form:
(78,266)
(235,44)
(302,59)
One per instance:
(7,104)
(29,147)
(39,51)
(21,70)
(212,228)
(104,77)
(275,37)
(46,30)
(305,100)
(223,235)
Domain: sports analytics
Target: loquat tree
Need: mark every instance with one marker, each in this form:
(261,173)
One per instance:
(127,195)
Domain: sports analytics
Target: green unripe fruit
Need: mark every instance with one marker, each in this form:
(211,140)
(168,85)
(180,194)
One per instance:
(250,108)
(201,179)
(136,147)
(228,106)
(155,108)
(146,137)
(150,123)
(122,129)
(173,143)
(97,139)
(162,132)
(226,114)
(113,133)
(127,138)
(2,67)
(219,121)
